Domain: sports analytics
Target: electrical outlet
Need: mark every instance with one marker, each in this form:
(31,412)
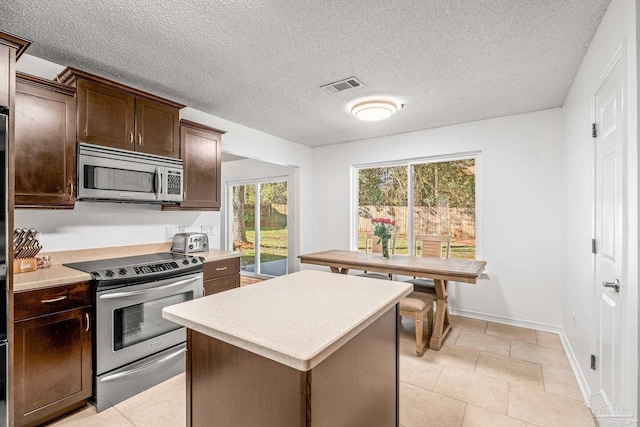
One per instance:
(182,229)
(208,229)
(169,231)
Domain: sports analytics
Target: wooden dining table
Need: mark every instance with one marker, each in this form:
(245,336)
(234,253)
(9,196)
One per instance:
(441,270)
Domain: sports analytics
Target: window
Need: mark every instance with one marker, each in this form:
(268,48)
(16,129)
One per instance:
(423,197)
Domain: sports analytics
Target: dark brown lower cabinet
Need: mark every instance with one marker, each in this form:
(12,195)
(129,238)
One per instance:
(52,364)
(357,385)
(214,286)
(221,275)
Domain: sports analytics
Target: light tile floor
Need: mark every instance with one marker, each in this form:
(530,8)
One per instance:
(486,374)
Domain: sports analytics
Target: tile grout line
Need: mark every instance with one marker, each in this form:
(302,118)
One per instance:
(125,416)
(464,414)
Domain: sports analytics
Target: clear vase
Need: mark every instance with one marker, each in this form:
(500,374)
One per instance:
(385,247)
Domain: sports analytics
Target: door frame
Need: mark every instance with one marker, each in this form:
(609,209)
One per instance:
(228,244)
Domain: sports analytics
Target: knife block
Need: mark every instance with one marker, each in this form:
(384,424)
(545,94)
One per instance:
(24,265)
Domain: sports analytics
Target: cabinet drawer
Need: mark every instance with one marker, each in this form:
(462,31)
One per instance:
(222,284)
(51,300)
(224,267)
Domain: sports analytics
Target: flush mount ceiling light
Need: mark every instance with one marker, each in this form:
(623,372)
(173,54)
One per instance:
(374,109)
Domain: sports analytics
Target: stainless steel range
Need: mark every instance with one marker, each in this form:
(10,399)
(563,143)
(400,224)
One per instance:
(135,348)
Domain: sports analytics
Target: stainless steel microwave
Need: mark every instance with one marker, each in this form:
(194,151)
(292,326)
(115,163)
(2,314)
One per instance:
(110,174)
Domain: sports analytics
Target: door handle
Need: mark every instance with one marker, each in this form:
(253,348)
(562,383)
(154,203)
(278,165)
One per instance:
(615,285)
(131,137)
(86,316)
(139,139)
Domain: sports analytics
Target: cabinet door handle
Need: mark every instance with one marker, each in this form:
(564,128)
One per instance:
(131,137)
(86,316)
(71,187)
(140,139)
(49,301)
(221,268)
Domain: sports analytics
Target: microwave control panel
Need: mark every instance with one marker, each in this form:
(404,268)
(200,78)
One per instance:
(173,181)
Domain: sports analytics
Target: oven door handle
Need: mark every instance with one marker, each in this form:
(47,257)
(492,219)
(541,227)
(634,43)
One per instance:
(143,367)
(144,291)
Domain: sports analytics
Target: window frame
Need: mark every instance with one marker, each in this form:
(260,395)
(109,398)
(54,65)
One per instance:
(410,164)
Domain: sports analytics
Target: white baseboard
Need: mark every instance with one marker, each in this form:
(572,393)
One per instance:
(575,367)
(545,327)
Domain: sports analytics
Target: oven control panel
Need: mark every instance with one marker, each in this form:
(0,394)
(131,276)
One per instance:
(154,268)
(148,269)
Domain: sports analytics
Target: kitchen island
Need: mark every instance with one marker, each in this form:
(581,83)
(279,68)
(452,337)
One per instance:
(307,349)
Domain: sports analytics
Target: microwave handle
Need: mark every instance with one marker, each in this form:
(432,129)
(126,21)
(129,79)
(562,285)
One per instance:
(158,183)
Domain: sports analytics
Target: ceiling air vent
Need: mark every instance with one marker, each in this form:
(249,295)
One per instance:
(342,85)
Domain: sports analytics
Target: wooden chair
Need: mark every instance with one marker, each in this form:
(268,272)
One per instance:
(416,305)
(371,245)
(429,245)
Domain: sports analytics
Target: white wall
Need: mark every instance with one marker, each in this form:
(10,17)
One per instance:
(618,24)
(96,224)
(519,216)
(93,224)
(248,169)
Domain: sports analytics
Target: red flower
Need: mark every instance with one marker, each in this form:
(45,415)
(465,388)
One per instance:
(382,227)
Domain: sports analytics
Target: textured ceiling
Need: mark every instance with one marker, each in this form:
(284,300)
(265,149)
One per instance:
(261,63)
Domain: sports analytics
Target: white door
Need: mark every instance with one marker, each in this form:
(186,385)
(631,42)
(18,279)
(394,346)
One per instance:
(609,234)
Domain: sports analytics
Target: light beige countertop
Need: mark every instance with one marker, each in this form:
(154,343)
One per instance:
(298,320)
(217,255)
(58,274)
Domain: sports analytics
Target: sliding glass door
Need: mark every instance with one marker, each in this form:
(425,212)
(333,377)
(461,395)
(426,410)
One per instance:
(259,226)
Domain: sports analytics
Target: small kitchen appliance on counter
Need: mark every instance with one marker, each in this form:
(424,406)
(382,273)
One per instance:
(186,243)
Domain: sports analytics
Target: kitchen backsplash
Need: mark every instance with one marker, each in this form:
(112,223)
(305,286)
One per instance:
(94,224)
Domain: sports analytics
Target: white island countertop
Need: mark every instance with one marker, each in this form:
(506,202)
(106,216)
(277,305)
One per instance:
(297,320)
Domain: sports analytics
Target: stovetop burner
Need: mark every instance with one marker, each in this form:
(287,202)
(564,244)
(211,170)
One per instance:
(112,272)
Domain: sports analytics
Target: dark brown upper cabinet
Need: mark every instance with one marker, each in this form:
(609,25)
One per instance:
(45,134)
(201,153)
(118,116)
